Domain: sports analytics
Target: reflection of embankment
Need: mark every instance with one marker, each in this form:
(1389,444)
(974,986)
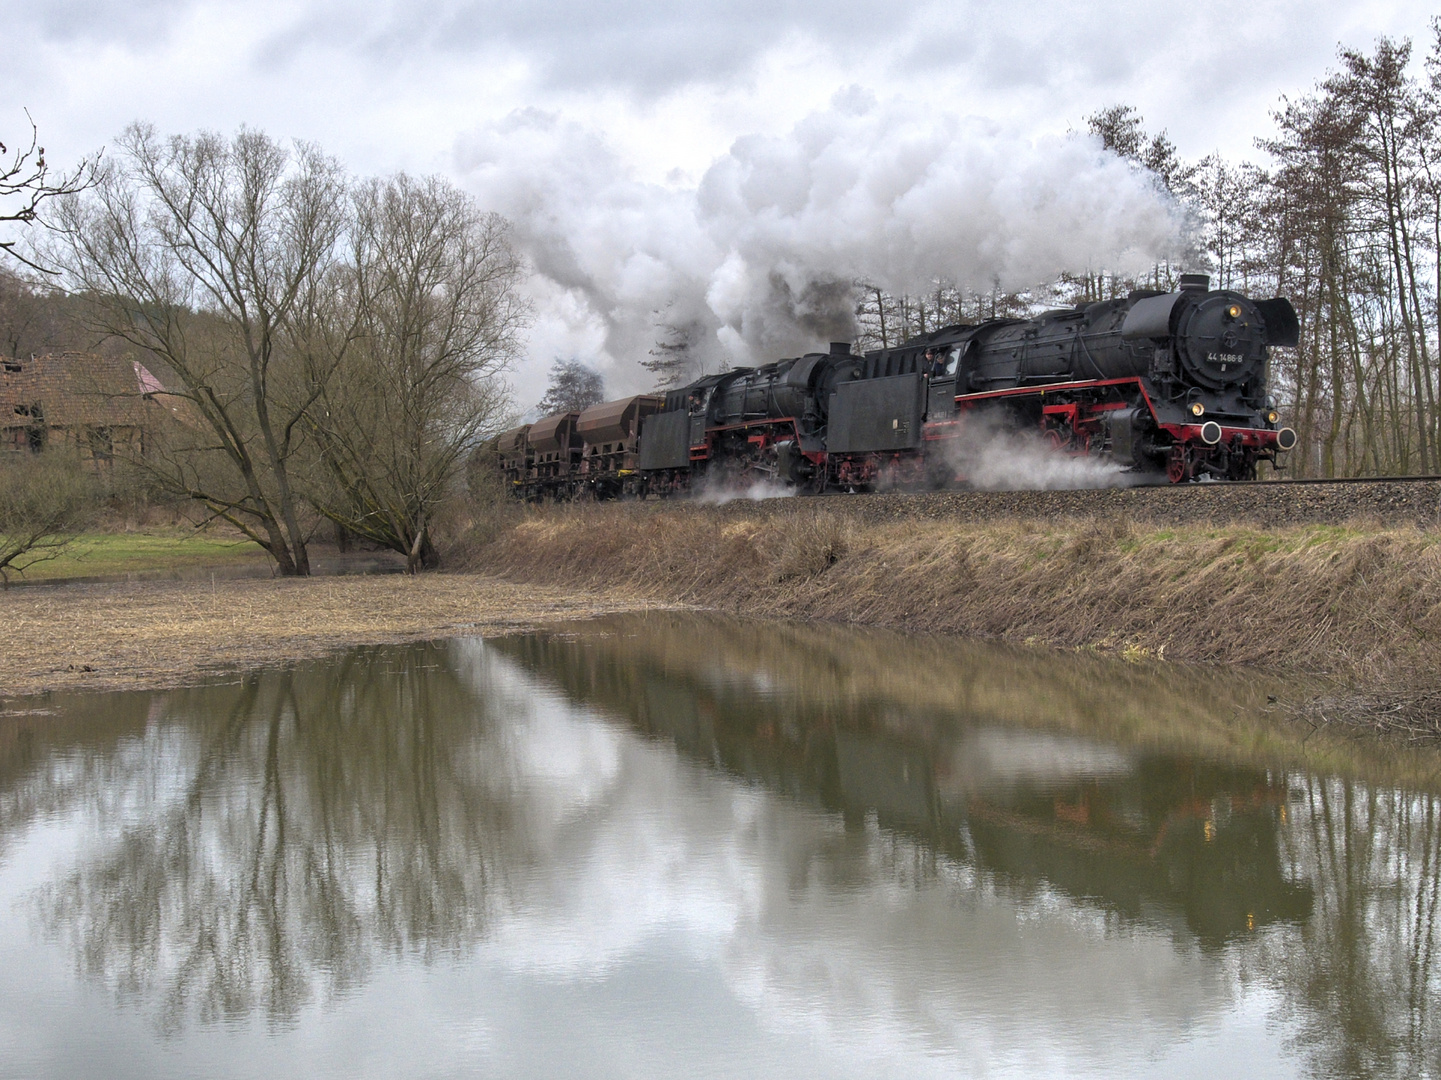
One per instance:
(886,871)
(1136,830)
(1348,877)
(1357,600)
(912,684)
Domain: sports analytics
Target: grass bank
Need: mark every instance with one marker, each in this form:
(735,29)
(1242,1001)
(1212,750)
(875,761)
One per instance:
(1357,602)
(109,555)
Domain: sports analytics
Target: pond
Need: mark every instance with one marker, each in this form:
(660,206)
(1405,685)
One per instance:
(680,845)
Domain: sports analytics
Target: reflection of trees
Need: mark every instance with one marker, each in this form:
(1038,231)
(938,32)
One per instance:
(288,831)
(58,751)
(1361,976)
(281,833)
(1325,890)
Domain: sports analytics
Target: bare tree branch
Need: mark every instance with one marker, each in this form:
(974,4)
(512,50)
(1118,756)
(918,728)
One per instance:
(25,185)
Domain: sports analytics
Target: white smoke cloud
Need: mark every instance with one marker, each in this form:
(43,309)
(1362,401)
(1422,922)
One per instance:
(755,262)
(991,455)
(718,493)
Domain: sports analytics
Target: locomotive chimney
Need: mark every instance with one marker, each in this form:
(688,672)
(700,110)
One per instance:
(1197,282)
(840,348)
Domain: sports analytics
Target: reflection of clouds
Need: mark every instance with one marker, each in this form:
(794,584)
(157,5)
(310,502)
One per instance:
(859,938)
(997,758)
(466,872)
(624,847)
(471,861)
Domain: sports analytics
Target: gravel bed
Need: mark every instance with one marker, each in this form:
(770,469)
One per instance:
(1273,505)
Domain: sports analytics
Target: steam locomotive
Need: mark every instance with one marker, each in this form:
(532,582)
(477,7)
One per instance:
(1171,386)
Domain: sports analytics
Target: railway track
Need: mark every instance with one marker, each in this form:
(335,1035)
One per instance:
(1385,501)
(1328,480)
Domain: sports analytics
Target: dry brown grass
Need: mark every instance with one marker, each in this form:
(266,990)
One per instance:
(1360,603)
(155,634)
(1356,601)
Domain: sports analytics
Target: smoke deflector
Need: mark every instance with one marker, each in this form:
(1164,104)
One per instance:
(1282,326)
(1151,317)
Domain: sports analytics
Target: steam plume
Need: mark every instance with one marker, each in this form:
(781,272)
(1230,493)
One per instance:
(757,260)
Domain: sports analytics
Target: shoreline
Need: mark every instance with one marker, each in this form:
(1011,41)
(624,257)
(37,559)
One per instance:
(1352,611)
(1352,602)
(159,635)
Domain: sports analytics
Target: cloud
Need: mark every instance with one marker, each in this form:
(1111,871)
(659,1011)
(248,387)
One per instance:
(654,46)
(756,261)
(132,23)
(647,45)
(637,88)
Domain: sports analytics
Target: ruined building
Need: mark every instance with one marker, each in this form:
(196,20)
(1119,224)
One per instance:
(99,407)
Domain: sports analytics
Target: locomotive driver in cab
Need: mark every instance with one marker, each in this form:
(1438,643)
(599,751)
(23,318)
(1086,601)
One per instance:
(940,365)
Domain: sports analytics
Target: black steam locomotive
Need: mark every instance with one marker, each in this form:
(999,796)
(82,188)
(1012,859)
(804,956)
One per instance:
(1169,385)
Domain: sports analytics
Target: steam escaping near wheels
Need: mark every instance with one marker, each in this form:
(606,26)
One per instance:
(991,456)
(718,493)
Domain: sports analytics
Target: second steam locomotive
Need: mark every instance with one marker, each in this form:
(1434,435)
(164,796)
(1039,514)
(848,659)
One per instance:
(1168,385)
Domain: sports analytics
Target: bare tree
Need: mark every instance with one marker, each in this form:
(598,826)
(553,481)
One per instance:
(25,184)
(203,251)
(574,387)
(44,500)
(431,317)
(1121,130)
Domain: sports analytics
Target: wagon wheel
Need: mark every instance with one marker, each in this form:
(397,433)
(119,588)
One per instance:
(1178,465)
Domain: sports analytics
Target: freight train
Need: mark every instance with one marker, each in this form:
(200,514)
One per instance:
(1171,386)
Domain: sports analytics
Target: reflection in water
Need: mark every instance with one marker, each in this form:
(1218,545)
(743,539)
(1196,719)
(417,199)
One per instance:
(1141,833)
(830,852)
(305,821)
(1349,873)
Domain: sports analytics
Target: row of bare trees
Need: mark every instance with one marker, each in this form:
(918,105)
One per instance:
(327,346)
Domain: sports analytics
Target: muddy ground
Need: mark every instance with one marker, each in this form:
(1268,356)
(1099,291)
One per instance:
(131,635)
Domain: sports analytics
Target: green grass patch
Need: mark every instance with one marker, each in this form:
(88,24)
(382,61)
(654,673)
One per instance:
(119,554)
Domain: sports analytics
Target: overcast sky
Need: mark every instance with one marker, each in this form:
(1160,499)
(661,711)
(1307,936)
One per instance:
(607,129)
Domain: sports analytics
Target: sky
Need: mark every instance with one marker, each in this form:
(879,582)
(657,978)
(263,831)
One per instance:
(710,172)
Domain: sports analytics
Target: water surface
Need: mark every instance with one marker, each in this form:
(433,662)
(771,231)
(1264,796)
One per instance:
(678,845)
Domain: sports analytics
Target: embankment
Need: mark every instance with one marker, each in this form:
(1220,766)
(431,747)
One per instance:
(1357,600)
